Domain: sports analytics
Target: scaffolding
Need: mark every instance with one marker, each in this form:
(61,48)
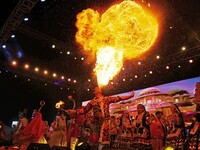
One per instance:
(16,17)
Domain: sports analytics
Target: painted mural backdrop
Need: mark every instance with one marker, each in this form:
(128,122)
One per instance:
(160,98)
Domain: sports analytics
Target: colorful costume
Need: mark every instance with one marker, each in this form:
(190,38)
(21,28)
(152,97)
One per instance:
(101,114)
(176,136)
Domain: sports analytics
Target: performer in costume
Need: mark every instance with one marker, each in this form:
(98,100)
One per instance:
(22,123)
(141,135)
(194,134)
(100,107)
(176,136)
(58,137)
(33,132)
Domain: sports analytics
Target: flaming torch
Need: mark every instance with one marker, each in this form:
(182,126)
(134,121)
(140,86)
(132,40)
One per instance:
(59,104)
(123,32)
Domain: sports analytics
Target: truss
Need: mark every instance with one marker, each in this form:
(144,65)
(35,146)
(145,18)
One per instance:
(193,53)
(22,8)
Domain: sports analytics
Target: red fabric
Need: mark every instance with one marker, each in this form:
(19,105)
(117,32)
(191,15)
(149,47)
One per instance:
(94,137)
(156,129)
(79,120)
(35,128)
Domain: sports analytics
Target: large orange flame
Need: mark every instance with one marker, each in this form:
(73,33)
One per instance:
(124,31)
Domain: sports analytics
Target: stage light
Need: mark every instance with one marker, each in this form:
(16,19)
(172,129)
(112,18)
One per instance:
(190,61)
(53,46)
(183,48)
(25,19)
(45,72)
(12,36)
(26,66)
(82,145)
(168,148)
(54,75)
(14,63)
(36,69)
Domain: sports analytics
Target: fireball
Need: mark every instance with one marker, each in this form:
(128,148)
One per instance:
(124,31)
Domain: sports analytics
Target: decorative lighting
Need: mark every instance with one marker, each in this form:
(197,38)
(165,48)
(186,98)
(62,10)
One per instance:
(54,75)
(158,57)
(26,66)
(183,48)
(36,69)
(167,67)
(12,36)
(150,72)
(45,72)
(139,63)
(190,61)
(14,63)
(26,19)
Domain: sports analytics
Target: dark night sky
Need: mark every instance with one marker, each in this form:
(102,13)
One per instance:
(53,22)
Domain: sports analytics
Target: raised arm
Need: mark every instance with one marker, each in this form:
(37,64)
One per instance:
(127,97)
(71,99)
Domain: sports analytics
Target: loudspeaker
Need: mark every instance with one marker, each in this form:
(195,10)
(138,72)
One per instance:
(37,146)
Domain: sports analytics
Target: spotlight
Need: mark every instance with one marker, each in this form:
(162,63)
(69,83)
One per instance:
(168,148)
(82,145)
